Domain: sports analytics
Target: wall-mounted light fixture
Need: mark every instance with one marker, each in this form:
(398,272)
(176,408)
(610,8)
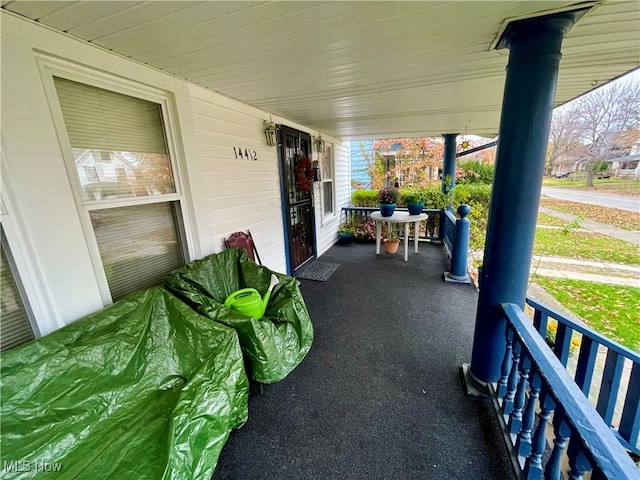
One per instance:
(270,133)
(318,142)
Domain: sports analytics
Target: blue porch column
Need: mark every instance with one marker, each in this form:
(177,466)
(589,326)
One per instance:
(527,106)
(449,162)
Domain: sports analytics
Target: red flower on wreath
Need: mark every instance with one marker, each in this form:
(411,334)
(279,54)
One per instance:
(304,173)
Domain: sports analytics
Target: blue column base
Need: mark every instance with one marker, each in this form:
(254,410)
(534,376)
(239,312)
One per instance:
(449,278)
(474,388)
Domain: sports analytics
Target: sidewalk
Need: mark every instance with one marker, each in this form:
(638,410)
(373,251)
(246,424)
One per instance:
(588,271)
(632,237)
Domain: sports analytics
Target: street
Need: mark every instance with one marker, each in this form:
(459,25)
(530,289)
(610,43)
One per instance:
(631,204)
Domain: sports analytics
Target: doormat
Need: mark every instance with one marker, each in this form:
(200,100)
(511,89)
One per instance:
(319,271)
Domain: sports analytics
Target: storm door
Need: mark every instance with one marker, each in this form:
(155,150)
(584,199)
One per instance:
(297,196)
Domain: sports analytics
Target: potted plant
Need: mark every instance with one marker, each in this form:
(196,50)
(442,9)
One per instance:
(388,197)
(391,241)
(346,232)
(415,201)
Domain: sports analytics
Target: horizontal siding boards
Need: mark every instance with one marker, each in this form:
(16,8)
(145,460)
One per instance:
(240,194)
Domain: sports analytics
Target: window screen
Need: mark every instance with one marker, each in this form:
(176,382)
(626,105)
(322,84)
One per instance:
(14,322)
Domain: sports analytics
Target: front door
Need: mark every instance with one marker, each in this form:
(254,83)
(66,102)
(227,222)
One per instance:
(297,194)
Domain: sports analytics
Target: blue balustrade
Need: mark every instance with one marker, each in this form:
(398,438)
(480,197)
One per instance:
(534,378)
(449,230)
(607,396)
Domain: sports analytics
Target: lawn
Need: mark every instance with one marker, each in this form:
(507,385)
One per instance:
(616,186)
(610,310)
(585,245)
(546,219)
(610,216)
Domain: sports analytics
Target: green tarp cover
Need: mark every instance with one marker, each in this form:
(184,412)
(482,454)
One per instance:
(144,389)
(274,344)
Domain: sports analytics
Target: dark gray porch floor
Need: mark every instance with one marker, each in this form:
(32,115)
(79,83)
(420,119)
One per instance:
(379,395)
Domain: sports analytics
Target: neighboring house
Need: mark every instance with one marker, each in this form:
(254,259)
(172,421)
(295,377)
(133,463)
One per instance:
(113,173)
(361,152)
(626,163)
(622,155)
(572,161)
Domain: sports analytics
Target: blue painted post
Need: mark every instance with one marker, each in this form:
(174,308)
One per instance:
(460,252)
(449,163)
(527,106)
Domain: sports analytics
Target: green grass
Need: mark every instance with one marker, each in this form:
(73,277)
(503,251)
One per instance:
(589,246)
(621,186)
(608,309)
(546,219)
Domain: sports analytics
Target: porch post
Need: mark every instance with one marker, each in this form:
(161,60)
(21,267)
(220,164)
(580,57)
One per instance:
(449,162)
(527,106)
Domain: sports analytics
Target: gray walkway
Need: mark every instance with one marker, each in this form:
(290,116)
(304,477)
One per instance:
(379,395)
(596,227)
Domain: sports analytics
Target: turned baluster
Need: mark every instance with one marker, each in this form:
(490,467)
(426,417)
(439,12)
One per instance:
(515,420)
(506,364)
(512,383)
(561,431)
(533,466)
(523,443)
(578,462)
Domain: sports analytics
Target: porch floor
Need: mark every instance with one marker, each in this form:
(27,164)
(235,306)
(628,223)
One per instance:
(379,395)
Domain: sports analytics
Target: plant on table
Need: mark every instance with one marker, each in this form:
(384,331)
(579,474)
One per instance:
(388,195)
(415,200)
(388,198)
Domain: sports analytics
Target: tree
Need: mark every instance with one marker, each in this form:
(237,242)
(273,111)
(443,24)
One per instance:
(564,135)
(415,158)
(602,115)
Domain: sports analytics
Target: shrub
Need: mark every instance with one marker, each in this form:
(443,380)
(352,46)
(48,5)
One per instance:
(475,172)
(364,198)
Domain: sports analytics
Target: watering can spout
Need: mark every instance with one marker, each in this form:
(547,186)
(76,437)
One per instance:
(248,301)
(267,296)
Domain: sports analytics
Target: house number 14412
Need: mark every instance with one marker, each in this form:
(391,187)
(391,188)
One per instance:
(246,153)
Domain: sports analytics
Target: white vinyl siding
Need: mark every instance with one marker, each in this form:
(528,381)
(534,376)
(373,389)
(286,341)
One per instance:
(241,194)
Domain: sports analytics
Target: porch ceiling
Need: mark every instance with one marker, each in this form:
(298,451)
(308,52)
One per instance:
(349,69)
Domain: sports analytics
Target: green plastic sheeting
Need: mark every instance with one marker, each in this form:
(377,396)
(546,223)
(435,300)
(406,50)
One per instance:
(274,344)
(144,389)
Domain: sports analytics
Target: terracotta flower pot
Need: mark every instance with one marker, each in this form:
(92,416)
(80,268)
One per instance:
(391,245)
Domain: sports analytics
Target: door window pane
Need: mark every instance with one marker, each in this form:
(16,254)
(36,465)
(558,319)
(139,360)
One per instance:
(138,245)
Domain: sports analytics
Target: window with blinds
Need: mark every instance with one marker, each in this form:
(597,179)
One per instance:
(118,142)
(122,164)
(327,180)
(15,327)
(138,245)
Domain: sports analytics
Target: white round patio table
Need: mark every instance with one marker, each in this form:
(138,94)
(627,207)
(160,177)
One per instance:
(403,218)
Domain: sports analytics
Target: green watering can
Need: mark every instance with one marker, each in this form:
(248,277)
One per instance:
(249,302)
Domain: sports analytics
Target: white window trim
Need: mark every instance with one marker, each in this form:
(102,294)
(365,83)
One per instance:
(45,316)
(331,180)
(54,67)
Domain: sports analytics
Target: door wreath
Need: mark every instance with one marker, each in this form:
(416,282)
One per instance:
(304,173)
